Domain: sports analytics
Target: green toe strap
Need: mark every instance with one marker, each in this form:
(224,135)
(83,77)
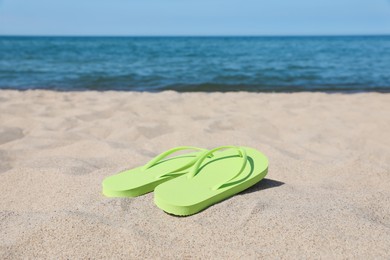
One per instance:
(179,170)
(197,167)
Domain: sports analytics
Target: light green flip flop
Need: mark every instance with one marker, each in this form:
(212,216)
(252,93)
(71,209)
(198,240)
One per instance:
(144,179)
(225,174)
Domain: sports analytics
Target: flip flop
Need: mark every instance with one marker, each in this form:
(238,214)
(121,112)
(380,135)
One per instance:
(208,182)
(144,179)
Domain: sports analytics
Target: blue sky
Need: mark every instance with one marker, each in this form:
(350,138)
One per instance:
(194,17)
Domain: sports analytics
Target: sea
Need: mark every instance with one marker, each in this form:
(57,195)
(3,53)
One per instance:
(188,64)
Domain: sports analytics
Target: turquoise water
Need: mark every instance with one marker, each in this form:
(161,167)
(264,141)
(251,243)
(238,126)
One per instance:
(196,63)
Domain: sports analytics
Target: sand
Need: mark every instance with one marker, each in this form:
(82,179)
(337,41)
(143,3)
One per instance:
(327,193)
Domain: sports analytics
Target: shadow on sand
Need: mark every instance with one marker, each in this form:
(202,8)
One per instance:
(263,185)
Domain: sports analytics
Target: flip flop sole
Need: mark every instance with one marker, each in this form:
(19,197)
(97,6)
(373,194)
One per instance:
(185,196)
(139,181)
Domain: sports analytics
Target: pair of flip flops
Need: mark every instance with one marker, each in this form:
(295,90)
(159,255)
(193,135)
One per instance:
(186,184)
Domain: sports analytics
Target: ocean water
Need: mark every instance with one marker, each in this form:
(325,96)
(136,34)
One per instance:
(261,64)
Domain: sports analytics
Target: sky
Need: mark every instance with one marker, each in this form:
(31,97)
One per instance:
(194,17)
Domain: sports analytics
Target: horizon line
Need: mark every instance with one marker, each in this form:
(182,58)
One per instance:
(193,35)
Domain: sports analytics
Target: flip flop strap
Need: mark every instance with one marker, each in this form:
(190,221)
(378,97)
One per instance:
(163,155)
(196,168)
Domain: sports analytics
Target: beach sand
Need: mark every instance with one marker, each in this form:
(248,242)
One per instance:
(326,195)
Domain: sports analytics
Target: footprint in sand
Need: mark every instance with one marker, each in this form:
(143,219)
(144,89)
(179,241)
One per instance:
(154,130)
(4,161)
(200,118)
(219,125)
(265,128)
(67,165)
(9,134)
(97,115)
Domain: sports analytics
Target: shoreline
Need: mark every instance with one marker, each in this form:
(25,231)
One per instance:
(385,90)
